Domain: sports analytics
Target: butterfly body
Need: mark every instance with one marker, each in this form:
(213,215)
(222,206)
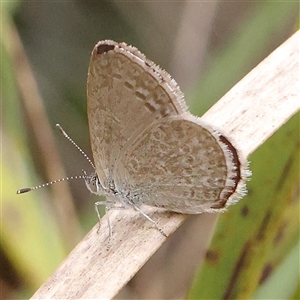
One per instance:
(147,147)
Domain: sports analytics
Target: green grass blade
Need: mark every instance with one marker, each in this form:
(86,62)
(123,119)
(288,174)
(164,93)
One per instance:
(253,237)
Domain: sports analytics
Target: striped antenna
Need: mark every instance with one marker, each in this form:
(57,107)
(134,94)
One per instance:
(25,190)
(74,144)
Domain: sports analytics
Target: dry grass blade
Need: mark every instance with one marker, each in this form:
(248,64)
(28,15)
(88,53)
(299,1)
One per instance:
(251,112)
(35,111)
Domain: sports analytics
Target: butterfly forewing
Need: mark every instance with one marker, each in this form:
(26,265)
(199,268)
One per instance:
(126,93)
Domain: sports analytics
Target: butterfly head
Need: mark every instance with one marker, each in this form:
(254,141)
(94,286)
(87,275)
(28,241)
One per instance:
(92,183)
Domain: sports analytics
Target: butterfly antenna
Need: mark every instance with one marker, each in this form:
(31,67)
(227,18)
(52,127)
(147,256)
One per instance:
(25,190)
(80,150)
(84,176)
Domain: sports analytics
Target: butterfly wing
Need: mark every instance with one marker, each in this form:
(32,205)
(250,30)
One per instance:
(182,164)
(126,92)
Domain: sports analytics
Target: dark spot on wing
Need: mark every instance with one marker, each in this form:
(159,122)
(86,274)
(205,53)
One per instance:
(103,48)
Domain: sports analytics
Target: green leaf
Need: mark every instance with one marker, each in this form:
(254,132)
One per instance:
(254,237)
(228,65)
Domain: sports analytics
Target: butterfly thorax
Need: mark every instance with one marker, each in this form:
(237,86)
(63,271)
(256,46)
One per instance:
(110,191)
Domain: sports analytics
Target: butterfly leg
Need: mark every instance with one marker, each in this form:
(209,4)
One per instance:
(108,207)
(149,219)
